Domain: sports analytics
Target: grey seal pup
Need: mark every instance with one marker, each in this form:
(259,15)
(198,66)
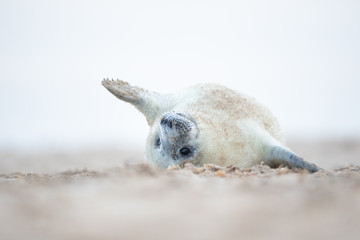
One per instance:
(208,123)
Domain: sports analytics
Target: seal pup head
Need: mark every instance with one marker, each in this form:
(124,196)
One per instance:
(174,136)
(174,139)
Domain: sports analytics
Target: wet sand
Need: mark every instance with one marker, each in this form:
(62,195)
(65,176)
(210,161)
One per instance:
(112,194)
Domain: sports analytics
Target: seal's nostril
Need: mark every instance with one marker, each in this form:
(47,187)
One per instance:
(164,121)
(167,121)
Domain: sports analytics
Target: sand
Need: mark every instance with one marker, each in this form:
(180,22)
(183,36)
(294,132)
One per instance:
(112,194)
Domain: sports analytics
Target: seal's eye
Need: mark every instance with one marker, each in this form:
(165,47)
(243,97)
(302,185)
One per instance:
(185,151)
(158,142)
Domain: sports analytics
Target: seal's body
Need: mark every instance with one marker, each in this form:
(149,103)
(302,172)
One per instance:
(208,123)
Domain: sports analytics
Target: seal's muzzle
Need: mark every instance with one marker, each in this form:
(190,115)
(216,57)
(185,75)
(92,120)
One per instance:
(177,122)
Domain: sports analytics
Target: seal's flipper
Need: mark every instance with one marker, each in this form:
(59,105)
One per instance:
(149,103)
(124,91)
(279,155)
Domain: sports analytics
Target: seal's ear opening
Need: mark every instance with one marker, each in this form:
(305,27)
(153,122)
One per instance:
(146,102)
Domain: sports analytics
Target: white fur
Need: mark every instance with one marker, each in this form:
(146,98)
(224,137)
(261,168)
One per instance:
(234,128)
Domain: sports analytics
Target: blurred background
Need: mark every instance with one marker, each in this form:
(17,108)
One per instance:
(299,58)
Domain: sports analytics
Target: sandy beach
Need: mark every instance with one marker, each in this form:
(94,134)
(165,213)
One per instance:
(84,84)
(113,194)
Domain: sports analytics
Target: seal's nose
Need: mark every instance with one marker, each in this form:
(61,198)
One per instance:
(171,119)
(167,121)
(175,123)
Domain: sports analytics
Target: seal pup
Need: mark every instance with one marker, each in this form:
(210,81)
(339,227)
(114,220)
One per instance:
(208,123)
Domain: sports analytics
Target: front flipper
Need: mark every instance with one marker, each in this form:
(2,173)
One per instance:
(125,91)
(279,155)
(149,103)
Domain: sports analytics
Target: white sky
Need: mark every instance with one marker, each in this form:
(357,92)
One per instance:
(299,58)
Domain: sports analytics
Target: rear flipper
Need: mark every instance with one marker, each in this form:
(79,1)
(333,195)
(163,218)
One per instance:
(281,156)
